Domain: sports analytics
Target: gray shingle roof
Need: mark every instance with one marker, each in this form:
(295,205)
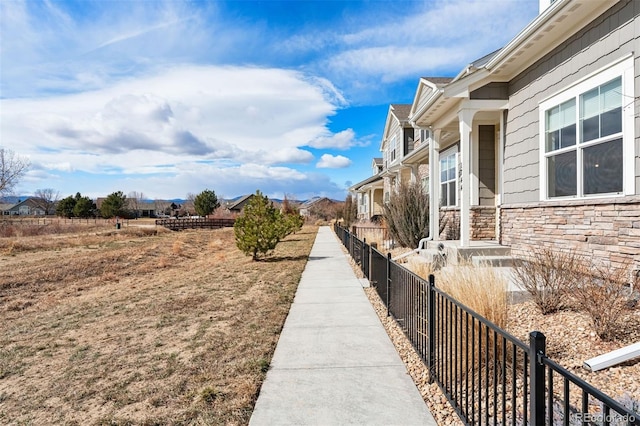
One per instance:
(401,111)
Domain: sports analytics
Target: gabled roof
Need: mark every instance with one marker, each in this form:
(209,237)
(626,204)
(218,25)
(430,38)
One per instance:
(313,201)
(438,82)
(428,99)
(33,202)
(237,205)
(377,161)
(368,181)
(398,112)
(554,25)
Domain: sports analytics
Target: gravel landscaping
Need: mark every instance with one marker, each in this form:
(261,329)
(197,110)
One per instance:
(570,341)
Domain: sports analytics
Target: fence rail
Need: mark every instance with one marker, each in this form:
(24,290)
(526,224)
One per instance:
(194,223)
(489,376)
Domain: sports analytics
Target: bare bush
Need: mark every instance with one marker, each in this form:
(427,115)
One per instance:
(407,214)
(602,295)
(549,276)
(480,352)
(483,289)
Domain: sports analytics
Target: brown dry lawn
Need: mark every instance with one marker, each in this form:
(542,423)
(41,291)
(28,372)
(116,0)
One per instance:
(139,326)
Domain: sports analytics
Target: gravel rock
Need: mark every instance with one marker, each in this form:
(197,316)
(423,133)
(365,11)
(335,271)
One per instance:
(570,342)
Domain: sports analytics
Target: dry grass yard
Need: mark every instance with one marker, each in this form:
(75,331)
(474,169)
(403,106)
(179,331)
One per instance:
(139,326)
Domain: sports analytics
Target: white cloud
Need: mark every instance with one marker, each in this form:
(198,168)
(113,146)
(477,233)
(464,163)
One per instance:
(328,161)
(341,140)
(186,113)
(434,38)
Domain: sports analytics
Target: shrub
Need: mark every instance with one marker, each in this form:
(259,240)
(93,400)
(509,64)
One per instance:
(292,221)
(259,229)
(602,295)
(407,214)
(482,289)
(549,277)
(205,203)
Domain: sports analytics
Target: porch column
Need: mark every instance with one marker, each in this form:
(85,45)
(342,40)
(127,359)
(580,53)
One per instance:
(434,184)
(465,117)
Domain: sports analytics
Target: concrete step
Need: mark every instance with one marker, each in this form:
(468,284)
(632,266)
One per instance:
(430,255)
(498,261)
(470,252)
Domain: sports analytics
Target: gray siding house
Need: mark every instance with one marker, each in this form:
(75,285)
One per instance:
(538,144)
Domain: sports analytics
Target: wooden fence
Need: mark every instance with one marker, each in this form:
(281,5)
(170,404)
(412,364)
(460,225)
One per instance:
(192,223)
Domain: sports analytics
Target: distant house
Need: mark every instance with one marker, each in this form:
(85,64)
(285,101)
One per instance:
(4,208)
(238,205)
(369,193)
(143,208)
(317,206)
(30,207)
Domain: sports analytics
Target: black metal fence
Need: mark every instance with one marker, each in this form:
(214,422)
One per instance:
(489,376)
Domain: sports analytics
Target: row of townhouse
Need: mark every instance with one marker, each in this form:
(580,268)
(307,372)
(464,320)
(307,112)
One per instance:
(536,144)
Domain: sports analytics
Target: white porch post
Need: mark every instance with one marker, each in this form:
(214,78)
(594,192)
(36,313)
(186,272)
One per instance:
(434,185)
(414,173)
(465,117)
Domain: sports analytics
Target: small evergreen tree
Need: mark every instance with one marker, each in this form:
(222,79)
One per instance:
(66,205)
(259,229)
(205,202)
(84,207)
(114,205)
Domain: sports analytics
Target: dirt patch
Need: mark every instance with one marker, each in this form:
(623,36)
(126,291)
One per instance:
(140,327)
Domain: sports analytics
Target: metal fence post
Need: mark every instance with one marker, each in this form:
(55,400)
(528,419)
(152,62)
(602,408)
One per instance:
(362,262)
(431,324)
(537,348)
(373,245)
(388,282)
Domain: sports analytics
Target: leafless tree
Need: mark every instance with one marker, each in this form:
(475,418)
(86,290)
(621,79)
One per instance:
(162,207)
(47,199)
(135,201)
(12,168)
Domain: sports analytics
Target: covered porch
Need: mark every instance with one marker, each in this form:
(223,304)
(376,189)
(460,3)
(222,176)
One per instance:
(465,157)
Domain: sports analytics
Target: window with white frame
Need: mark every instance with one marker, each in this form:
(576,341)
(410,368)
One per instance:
(448,176)
(392,149)
(587,136)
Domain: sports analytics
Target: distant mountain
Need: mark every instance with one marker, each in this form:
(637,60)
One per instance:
(12,199)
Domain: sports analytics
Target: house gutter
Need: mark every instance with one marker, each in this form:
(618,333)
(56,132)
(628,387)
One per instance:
(526,33)
(613,358)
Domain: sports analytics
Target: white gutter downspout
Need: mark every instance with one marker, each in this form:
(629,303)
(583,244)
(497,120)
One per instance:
(614,357)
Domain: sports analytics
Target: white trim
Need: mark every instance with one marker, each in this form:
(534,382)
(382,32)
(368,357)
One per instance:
(623,67)
(452,150)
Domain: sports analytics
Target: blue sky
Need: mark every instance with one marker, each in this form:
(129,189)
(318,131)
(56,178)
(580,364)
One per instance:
(173,97)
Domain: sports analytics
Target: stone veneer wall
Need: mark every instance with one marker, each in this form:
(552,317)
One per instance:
(605,230)
(483,223)
(451,230)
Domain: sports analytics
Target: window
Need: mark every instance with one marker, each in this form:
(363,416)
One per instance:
(585,132)
(392,150)
(448,177)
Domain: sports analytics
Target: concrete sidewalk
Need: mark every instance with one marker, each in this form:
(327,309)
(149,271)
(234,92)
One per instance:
(334,363)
